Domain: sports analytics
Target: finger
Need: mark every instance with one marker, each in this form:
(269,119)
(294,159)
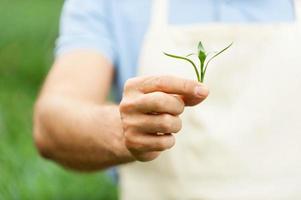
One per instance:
(143,142)
(153,124)
(191,91)
(145,156)
(160,102)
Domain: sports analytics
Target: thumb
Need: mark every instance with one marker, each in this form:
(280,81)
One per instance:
(200,93)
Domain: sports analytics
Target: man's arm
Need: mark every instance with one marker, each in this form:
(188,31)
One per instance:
(76,127)
(73,123)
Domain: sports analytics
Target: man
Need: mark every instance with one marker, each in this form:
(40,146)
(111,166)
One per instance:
(76,126)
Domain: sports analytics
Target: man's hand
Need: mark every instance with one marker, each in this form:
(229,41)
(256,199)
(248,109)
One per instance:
(150,111)
(76,127)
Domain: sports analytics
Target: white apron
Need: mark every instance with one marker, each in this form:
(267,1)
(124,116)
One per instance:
(244,141)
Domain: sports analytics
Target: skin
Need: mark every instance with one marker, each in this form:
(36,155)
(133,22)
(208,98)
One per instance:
(77,127)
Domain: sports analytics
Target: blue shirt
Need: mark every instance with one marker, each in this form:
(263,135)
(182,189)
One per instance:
(116,28)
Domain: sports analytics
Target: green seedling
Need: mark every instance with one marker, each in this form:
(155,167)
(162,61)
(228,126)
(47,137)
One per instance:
(204,57)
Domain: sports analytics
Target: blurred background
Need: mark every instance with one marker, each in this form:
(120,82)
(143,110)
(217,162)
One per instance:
(28,29)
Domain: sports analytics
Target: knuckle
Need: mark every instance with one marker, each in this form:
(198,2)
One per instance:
(143,121)
(123,107)
(158,102)
(181,102)
(181,108)
(144,100)
(125,124)
(128,135)
(165,143)
(131,84)
(131,146)
(161,144)
(166,123)
(129,124)
(131,143)
(178,125)
(180,105)
(135,125)
(126,105)
(160,82)
(128,85)
(128,140)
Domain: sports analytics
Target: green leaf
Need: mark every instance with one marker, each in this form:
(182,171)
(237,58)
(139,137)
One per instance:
(201,53)
(188,60)
(217,54)
(201,47)
(191,54)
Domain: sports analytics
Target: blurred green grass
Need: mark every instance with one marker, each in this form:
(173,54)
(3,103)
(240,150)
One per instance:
(28,29)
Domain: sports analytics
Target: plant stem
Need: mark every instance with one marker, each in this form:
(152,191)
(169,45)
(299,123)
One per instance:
(202,72)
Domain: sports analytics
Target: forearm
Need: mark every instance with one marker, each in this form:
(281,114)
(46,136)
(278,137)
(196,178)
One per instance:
(80,135)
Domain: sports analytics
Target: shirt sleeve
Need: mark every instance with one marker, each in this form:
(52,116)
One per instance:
(86,25)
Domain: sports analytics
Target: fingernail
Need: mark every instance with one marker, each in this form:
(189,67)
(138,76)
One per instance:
(201,91)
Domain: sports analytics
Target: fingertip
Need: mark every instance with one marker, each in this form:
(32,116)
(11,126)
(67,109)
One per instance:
(201,91)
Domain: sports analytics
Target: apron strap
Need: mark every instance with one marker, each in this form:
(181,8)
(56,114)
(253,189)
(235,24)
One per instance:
(297,5)
(159,14)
